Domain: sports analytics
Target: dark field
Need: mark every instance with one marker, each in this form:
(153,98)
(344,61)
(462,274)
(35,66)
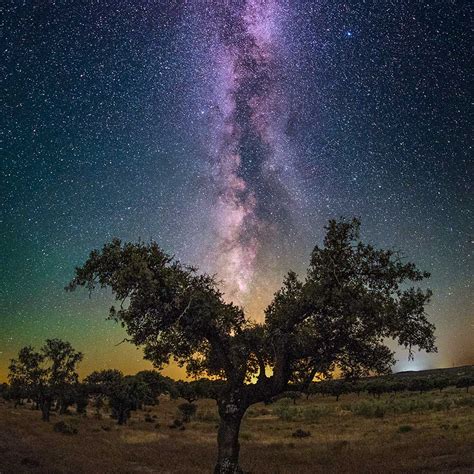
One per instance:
(429,432)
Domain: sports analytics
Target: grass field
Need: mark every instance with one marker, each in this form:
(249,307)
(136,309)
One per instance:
(430,432)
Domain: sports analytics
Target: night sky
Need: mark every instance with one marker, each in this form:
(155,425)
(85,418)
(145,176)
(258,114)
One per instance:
(230,132)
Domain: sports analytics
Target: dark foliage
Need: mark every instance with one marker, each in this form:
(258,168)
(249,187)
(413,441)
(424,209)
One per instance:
(124,393)
(65,428)
(46,376)
(188,410)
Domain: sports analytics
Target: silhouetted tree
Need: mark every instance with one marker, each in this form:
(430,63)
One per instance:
(196,389)
(420,385)
(127,397)
(124,393)
(293,395)
(337,388)
(81,398)
(187,410)
(440,383)
(26,375)
(376,388)
(62,376)
(465,382)
(5,391)
(352,299)
(157,385)
(47,375)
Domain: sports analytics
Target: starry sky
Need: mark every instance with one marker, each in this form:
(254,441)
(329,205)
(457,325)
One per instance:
(230,132)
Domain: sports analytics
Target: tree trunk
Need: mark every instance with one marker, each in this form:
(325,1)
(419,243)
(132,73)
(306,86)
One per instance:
(62,407)
(228,446)
(231,411)
(45,410)
(122,416)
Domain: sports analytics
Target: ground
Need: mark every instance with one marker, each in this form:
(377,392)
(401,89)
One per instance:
(405,433)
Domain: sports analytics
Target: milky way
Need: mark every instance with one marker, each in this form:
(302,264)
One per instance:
(251,157)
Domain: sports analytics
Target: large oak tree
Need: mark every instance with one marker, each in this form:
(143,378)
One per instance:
(353,298)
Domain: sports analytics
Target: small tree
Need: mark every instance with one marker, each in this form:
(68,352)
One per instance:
(440,383)
(196,389)
(376,388)
(465,382)
(352,299)
(290,394)
(157,385)
(337,388)
(127,397)
(188,410)
(62,376)
(81,398)
(100,384)
(124,393)
(420,385)
(47,375)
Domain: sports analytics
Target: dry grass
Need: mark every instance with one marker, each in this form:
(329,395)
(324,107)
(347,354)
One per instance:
(340,442)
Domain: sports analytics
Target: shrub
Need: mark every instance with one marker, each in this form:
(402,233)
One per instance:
(369,409)
(299,433)
(314,413)
(187,410)
(65,428)
(30,462)
(405,428)
(177,423)
(286,412)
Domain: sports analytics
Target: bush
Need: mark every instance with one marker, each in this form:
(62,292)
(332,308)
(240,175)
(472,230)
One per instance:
(65,428)
(188,410)
(299,433)
(405,428)
(314,413)
(369,409)
(286,412)
(177,423)
(467,401)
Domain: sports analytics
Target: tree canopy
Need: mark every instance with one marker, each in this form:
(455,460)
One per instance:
(47,375)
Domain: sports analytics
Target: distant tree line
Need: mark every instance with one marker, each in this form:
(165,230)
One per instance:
(48,380)
(383,385)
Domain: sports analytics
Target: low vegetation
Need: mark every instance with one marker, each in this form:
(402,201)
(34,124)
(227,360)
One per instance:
(339,440)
